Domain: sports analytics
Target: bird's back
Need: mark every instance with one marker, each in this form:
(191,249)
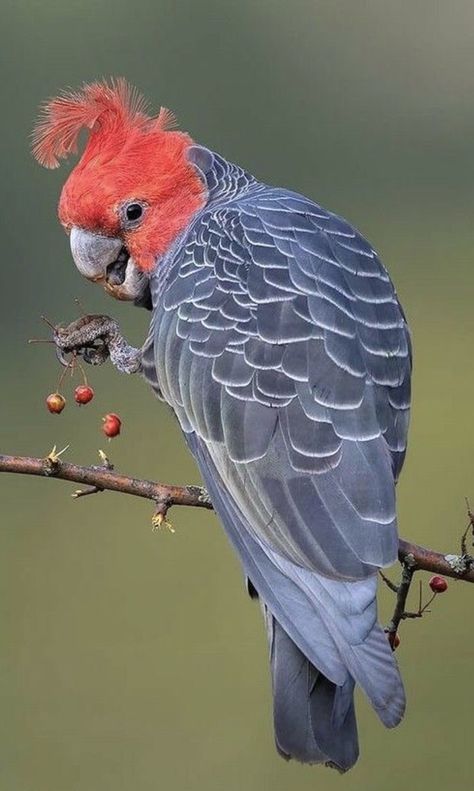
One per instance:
(279,341)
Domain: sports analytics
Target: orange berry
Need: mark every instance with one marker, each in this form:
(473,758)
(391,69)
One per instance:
(55,403)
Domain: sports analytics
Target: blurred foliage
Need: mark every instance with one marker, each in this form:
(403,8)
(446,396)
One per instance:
(135,660)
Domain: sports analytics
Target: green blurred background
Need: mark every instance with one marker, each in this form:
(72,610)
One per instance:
(134,660)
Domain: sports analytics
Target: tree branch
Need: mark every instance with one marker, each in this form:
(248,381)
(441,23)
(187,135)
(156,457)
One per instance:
(103,477)
(402,590)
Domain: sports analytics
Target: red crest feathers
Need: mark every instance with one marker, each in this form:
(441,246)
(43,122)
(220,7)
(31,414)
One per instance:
(115,103)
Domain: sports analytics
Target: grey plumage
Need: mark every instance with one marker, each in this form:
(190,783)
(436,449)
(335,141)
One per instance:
(278,339)
(314,719)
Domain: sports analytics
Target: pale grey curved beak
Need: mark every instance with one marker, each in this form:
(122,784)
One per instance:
(93,253)
(105,260)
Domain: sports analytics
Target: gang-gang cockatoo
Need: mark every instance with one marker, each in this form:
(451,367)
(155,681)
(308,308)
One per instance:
(277,338)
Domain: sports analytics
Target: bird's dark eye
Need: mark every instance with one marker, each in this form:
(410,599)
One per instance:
(133,212)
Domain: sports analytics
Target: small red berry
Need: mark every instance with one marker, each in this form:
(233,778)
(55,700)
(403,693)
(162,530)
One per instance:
(396,641)
(55,403)
(111,425)
(438,584)
(83,394)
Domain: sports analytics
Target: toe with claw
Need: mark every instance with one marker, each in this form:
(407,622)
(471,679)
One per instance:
(96,338)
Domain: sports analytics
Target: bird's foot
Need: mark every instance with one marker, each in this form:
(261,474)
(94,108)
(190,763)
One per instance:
(96,338)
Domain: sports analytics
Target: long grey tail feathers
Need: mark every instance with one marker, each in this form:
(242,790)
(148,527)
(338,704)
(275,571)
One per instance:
(324,637)
(314,720)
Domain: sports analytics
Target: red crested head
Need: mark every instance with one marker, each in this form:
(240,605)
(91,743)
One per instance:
(133,181)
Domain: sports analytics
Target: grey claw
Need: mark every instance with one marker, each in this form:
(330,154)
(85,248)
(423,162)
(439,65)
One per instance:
(60,354)
(96,339)
(95,355)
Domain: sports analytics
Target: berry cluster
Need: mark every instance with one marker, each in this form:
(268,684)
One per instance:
(83,394)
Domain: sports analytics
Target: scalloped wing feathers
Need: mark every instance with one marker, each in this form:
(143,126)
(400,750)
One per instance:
(279,341)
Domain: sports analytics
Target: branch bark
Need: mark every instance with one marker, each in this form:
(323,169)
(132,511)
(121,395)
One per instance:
(103,477)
